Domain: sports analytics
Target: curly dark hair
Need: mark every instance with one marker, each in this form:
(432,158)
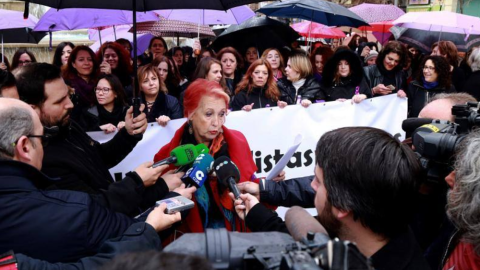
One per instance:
(393,47)
(442,68)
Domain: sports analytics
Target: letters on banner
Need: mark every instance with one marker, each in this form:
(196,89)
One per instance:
(271,131)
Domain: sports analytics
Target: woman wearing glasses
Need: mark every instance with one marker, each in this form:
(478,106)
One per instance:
(109,112)
(22,57)
(434,79)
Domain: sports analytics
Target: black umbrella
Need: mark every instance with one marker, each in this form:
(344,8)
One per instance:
(261,32)
(423,40)
(21,35)
(319,11)
(134,5)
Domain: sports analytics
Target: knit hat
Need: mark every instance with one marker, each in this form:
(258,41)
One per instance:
(371,55)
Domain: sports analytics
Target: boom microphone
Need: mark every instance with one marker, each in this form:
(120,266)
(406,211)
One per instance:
(410,124)
(301,224)
(197,175)
(181,155)
(227,174)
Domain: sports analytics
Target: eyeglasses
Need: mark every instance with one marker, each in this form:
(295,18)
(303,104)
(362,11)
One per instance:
(104,90)
(26,62)
(45,138)
(429,68)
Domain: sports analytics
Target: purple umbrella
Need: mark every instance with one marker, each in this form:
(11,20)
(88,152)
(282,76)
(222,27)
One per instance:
(82,18)
(236,15)
(143,40)
(440,21)
(377,13)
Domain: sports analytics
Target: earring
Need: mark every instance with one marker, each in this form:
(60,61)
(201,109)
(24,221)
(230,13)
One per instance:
(190,128)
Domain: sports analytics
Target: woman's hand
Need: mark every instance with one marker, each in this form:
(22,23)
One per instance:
(163,120)
(359,98)
(281,104)
(305,103)
(244,204)
(3,66)
(105,68)
(279,177)
(121,124)
(161,221)
(401,94)
(365,51)
(381,89)
(108,128)
(248,108)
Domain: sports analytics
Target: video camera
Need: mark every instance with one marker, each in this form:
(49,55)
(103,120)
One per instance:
(269,250)
(436,142)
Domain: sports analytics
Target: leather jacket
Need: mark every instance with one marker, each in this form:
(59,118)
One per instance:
(374,77)
(309,90)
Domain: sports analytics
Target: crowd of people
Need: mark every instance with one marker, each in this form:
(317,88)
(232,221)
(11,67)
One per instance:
(63,209)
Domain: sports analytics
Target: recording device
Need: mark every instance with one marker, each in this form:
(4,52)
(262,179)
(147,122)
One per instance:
(228,174)
(272,250)
(198,173)
(176,204)
(436,142)
(182,155)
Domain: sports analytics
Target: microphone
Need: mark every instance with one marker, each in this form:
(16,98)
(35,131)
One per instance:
(198,173)
(302,225)
(410,124)
(181,155)
(227,174)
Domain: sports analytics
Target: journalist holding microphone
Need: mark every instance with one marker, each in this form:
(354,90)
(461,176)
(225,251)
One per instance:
(206,107)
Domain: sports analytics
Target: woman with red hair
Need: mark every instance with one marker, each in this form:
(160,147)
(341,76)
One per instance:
(115,59)
(206,107)
(257,88)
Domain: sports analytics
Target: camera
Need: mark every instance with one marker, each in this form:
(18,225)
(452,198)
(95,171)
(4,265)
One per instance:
(269,250)
(435,143)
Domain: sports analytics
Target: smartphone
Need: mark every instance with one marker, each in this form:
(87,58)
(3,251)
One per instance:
(391,87)
(176,204)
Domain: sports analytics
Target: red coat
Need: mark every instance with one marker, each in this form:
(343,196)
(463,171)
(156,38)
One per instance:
(240,154)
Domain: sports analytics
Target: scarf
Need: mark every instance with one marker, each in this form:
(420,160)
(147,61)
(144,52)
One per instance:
(117,115)
(429,85)
(84,90)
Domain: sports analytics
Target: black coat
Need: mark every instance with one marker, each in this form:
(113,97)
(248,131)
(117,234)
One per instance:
(164,105)
(96,116)
(419,96)
(297,191)
(82,165)
(472,85)
(346,88)
(256,96)
(51,225)
(374,77)
(309,90)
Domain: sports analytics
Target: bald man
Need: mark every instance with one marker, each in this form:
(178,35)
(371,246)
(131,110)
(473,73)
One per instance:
(441,106)
(51,225)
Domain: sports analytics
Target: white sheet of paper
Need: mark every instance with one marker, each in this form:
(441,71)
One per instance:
(286,158)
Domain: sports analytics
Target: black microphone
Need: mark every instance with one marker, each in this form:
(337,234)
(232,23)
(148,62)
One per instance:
(410,124)
(302,225)
(227,174)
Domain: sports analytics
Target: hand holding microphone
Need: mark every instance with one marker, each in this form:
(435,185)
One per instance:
(243,204)
(227,174)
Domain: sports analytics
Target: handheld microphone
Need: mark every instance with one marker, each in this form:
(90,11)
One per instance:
(181,155)
(227,174)
(198,173)
(200,148)
(301,224)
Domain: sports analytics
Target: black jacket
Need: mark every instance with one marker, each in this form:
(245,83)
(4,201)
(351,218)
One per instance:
(346,88)
(374,77)
(138,237)
(419,96)
(295,191)
(82,165)
(164,105)
(309,90)
(55,225)
(96,116)
(256,96)
(472,85)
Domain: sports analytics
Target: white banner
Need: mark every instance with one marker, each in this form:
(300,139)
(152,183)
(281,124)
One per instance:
(271,131)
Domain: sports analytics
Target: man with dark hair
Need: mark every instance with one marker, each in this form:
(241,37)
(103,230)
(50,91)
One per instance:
(365,183)
(7,84)
(80,162)
(51,225)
